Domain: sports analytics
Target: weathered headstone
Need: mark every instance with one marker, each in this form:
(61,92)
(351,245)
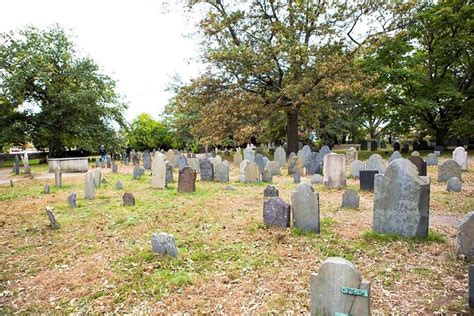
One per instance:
(454,185)
(364,145)
(46,190)
(448,170)
(222,172)
(249,154)
(305,208)
(270,191)
(274,168)
(237,158)
(146,160)
(420,164)
(58,176)
(114,168)
(52,218)
(187,180)
(355,167)
(98,177)
(460,156)
(465,236)
(207,170)
(376,162)
(128,199)
(259,161)
(395,155)
(280,156)
(325,150)
(334,170)
(16,167)
(401,201)
(89,187)
(267,176)
(373,145)
(276,212)
(194,163)
(170,157)
(350,199)
(135,159)
(351,154)
(164,244)
(183,162)
(396,146)
(338,289)
(367,180)
(118,185)
(169,172)
(72,200)
(296,178)
(305,154)
(136,172)
(142,171)
(292,164)
(438,150)
(158,172)
(317,179)
(252,173)
(431,159)
(314,163)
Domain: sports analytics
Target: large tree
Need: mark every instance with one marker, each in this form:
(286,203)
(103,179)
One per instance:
(57,98)
(147,133)
(275,61)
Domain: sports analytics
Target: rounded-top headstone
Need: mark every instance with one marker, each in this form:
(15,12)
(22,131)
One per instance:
(350,199)
(465,236)
(395,155)
(448,170)
(305,208)
(454,185)
(270,191)
(280,156)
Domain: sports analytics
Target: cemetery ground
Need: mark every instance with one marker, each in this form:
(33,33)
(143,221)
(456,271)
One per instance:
(100,260)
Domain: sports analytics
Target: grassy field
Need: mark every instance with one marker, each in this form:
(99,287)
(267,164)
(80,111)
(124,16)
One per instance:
(100,260)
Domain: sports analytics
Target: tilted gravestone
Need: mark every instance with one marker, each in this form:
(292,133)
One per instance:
(401,201)
(222,172)
(431,159)
(356,167)
(373,145)
(314,163)
(364,145)
(350,199)
(72,200)
(305,208)
(128,199)
(252,173)
(367,180)
(465,236)
(270,191)
(187,180)
(420,164)
(280,156)
(46,190)
(89,187)
(58,182)
(98,177)
(249,154)
(276,212)
(52,218)
(259,161)
(454,185)
(334,170)
(207,170)
(395,155)
(448,170)
(164,244)
(338,289)
(460,156)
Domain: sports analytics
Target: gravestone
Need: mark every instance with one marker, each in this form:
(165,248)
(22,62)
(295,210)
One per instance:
(158,172)
(170,157)
(58,181)
(249,154)
(276,212)
(415,154)
(334,170)
(465,236)
(395,155)
(438,150)
(169,173)
(460,156)
(136,172)
(222,173)
(252,173)
(376,162)
(383,145)
(431,159)
(367,180)
(118,185)
(270,191)
(259,161)
(194,163)
(274,168)
(317,179)
(98,177)
(338,289)
(364,145)
(265,161)
(72,200)
(16,167)
(296,178)
(420,164)
(280,156)
(267,176)
(237,158)
(373,145)
(314,163)
(89,187)
(207,170)
(52,218)
(325,150)
(146,160)
(350,199)
(355,167)
(142,171)
(305,154)
(305,208)
(164,244)
(114,168)
(448,170)
(128,199)
(135,160)
(46,190)
(396,146)
(187,180)
(401,201)
(454,185)
(351,154)
(405,148)
(183,162)
(242,167)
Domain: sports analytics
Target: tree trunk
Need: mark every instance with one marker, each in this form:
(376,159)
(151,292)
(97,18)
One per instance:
(441,136)
(55,148)
(292,132)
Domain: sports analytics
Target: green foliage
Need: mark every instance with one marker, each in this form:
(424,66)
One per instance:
(54,98)
(146,133)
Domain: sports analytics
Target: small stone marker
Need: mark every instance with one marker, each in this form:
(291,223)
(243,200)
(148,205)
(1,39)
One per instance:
(355,167)
(419,163)
(454,185)
(72,200)
(460,156)
(47,190)
(52,218)
(367,180)
(164,244)
(305,208)
(252,173)
(431,159)
(401,201)
(128,199)
(89,188)
(222,172)
(334,170)
(187,180)
(158,169)
(280,156)
(448,170)
(267,176)
(276,212)
(58,182)
(296,178)
(136,172)
(207,170)
(338,289)
(270,191)
(118,185)
(317,179)
(169,173)
(465,236)
(350,199)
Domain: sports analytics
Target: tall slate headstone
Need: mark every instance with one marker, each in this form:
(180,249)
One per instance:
(334,289)
(460,156)
(376,162)
(187,180)
(465,236)
(146,160)
(334,170)
(158,169)
(58,181)
(276,212)
(355,167)
(252,173)
(237,158)
(396,146)
(305,154)
(16,167)
(420,164)
(52,218)
(280,156)
(207,170)
(305,208)
(448,170)
(89,186)
(395,155)
(222,172)
(431,159)
(98,177)
(249,154)
(401,201)
(367,180)
(169,172)
(364,145)
(373,145)
(314,163)
(259,161)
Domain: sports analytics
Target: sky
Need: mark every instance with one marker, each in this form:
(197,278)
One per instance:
(142,44)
